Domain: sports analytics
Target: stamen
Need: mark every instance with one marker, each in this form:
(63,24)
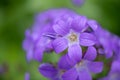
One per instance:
(72,37)
(80,63)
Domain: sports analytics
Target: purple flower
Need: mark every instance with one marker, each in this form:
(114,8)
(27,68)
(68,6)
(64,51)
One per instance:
(43,43)
(104,43)
(65,65)
(28,45)
(27,76)
(64,31)
(78,2)
(3,68)
(116,47)
(37,41)
(35,44)
(50,71)
(83,69)
(71,35)
(114,73)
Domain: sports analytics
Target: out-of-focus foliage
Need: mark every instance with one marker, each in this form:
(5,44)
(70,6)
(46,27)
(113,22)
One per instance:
(17,15)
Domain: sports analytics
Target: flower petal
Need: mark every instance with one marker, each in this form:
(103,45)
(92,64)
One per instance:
(91,53)
(87,39)
(93,24)
(28,45)
(108,52)
(61,28)
(79,23)
(115,66)
(84,74)
(65,62)
(38,54)
(75,52)
(28,42)
(70,74)
(48,70)
(95,67)
(60,44)
(29,55)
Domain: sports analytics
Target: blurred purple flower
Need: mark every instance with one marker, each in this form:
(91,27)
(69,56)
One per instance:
(50,72)
(71,35)
(3,68)
(36,43)
(116,47)
(27,76)
(104,43)
(78,2)
(114,73)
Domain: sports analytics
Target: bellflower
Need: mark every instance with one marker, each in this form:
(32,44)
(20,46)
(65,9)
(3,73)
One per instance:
(83,69)
(63,31)
(35,44)
(78,2)
(116,46)
(114,73)
(37,41)
(28,45)
(51,72)
(104,42)
(27,76)
(71,35)
(65,64)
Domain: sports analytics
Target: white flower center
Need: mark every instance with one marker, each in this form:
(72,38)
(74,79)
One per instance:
(80,66)
(81,63)
(72,37)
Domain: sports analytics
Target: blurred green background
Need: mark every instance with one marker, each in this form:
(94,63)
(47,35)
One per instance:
(18,15)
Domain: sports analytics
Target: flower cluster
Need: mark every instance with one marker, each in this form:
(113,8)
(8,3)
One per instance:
(79,40)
